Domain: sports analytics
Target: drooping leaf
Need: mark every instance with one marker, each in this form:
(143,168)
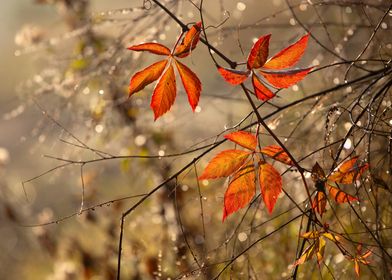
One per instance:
(152,48)
(241,190)
(224,164)
(191,84)
(146,76)
(189,41)
(259,52)
(277,153)
(288,56)
(348,171)
(262,92)
(234,77)
(285,79)
(319,202)
(243,138)
(164,93)
(315,234)
(270,184)
(320,250)
(357,268)
(307,254)
(340,196)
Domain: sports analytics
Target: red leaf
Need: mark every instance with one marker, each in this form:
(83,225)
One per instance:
(319,202)
(241,190)
(191,84)
(164,93)
(224,164)
(152,48)
(234,77)
(288,56)
(270,184)
(348,172)
(277,153)
(285,79)
(146,76)
(261,91)
(340,196)
(189,41)
(259,52)
(243,138)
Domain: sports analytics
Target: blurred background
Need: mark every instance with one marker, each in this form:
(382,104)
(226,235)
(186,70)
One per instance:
(64,76)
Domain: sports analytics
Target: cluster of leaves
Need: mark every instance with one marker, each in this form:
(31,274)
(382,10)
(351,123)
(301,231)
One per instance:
(346,173)
(243,167)
(274,70)
(165,90)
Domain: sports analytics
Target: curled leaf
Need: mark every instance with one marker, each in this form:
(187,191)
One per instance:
(146,76)
(189,41)
(191,82)
(240,191)
(270,184)
(262,92)
(154,48)
(164,93)
(288,56)
(319,202)
(285,79)
(224,164)
(277,153)
(234,77)
(348,171)
(243,138)
(307,254)
(259,52)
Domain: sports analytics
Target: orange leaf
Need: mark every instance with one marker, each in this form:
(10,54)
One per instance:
(270,184)
(189,41)
(241,190)
(191,84)
(148,75)
(243,138)
(320,249)
(285,79)
(164,93)
(288,56)
(261,91)
(234,77)
(348,171)
(319,202)
(356,267)
(224,164)
(152,48)
(277,153)
(259,52)
(340,196)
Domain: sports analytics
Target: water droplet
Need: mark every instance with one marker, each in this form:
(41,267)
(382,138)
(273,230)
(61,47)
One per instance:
(241,6)
(242,236)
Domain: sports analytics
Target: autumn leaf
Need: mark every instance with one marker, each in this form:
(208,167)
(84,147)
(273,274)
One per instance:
(319,202)
(288,56)
(243,138)
(189,41)
(274,70)
(164,93)
(277,153)
(261,91)
(270,184)
(224,164)
(320,250)
(348,171)
(340,196)
(233,77)
(259,52)
(191,82)
(360,258)
(307,254)
(240,191)
(318,173)
(154,48)
(148,75)
(285,79)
